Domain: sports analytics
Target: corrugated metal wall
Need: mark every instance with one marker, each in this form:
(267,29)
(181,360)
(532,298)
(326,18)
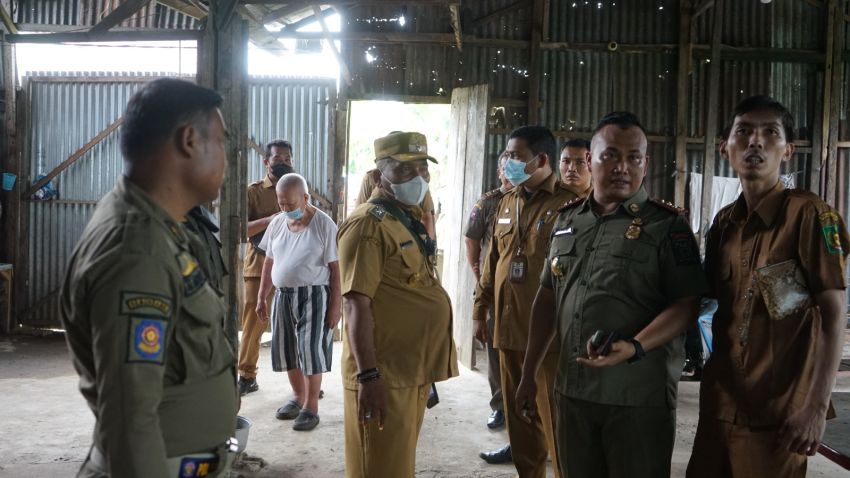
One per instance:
(68,111)
(89,12)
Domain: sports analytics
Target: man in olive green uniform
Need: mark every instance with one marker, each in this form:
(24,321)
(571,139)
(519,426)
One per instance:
(477,238)
(509,280)
(623,264)
(262,208)
(398,325)
(144,324)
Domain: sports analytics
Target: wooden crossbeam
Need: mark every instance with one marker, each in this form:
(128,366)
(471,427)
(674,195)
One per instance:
(108,36)
(121,13)
(454,10)
(343,68)
(493,16)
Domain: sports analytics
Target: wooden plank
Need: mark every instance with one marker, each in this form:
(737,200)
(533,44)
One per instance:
(282,12)
(702,7)
(191,10)
(343,68)
(497,14)
(303,4)
(828,69)
(122,12)
(11,162)
(73,158)
(7,20)
(454,12)
(535,62)
(412,38)
(815,176)
(109,36)
(682,82)
(711,121)
(308,20)
(836,29)
(21,247)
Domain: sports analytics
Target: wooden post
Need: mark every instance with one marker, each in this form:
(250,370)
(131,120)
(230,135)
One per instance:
(833,70)
(223,65)
(343,67)
(11,163)
(534,63)
(711,121)
(682,100)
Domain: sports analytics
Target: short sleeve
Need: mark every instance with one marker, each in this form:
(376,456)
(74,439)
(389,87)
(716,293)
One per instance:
(329,231)
(271,233)
(822,248)
(427,203)
(476,223)
(361,256)
(366,187)
(681,270)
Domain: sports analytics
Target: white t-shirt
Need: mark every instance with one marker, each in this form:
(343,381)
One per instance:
(301,258)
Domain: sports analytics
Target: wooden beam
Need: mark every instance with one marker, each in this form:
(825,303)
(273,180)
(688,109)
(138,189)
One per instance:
(308,20)
(682,82)
(11,162)
(278,13)
(535,63)
(343,68)
(796,55)
(701,8)
(403,38)
(833,72)
(191,10)
(303,4)
(621,48)
(316,194)
(816,177)
(7,20)
(454,11)
(711,103)
(497,14)
(118,15)
(73,158)
(110,36)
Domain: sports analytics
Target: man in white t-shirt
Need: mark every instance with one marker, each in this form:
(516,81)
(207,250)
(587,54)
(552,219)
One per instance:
(301,264)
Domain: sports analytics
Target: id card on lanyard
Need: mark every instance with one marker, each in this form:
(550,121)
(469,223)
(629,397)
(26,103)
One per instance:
(519,263)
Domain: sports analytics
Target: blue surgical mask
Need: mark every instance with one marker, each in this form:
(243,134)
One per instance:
(410,192)
(295,214)
(515,172)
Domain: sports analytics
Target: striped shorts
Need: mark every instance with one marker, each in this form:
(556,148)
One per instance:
(300,338)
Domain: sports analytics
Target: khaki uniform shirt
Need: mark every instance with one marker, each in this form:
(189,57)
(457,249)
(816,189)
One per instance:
(518,216)
(479,225)
(379,258)
(616,273)
(262,202)
(367,187)
(760,371)
(145,330)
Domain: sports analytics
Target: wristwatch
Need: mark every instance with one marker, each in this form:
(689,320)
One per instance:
(639,351)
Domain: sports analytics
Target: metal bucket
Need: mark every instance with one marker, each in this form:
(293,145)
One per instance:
(243,426)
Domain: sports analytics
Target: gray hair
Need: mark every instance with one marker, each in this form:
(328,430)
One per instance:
(288,181)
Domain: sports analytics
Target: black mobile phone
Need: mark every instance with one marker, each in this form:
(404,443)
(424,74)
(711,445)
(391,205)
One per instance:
(601,341)
(433,398)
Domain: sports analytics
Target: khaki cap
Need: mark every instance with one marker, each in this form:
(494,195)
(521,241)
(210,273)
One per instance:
(402,147)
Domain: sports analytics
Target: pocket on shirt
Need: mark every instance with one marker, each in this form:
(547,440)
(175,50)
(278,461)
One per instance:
(631,251)
(412,260)
(197,330)
(502,234)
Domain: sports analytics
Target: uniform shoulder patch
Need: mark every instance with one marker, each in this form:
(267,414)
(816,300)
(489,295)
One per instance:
(571,204)
(667,206)
(829,222)
(685,249)
(147,340)
(378,212)
(190,270)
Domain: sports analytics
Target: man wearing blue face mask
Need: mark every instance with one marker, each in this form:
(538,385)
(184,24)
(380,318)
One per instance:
(301,265)
(508,283)
(398,317)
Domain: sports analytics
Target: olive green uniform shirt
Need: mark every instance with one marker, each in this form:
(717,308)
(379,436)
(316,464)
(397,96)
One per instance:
(145,330)
(379,258)
(616,273)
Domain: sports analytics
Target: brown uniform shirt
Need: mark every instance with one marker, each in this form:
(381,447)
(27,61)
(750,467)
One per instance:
(512,301)
(379,258)
(761,369)
(479,224)
(262,202)
(367,187)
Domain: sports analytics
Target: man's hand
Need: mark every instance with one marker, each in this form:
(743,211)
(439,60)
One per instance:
(621,351)
(481,332)
(372,402)
(802,432)
(476,271)
(332,317)
(262,313)
(526,398)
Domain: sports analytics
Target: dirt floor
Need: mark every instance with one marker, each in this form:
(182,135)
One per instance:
(47,427)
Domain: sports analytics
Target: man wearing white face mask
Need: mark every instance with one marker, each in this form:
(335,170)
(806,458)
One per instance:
(509,281)
(398,317)
(301,264)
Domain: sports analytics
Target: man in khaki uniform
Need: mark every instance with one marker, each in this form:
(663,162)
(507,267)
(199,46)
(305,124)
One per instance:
(144,324)
(425,208)
(509,280)
(398,325)
(262,208)
(765,392)
(623,264)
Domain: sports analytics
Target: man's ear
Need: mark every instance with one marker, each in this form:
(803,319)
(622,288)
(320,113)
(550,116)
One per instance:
(723,152)
(188,140)
(789,151)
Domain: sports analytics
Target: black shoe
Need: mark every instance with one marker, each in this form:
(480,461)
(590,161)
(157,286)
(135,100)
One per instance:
(502,455)
(496,420)
(247,385)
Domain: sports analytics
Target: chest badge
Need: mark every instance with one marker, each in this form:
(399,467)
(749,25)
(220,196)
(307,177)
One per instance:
(634,230)
(557,268)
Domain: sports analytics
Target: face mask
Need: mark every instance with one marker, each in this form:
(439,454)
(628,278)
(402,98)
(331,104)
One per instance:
(280,170)
(295,214)
(515,172)
(411,192)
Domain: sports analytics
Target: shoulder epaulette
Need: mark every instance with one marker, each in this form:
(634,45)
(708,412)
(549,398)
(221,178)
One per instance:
(668,206)
(378,211)
(571,204)
(491,194)
(256,183)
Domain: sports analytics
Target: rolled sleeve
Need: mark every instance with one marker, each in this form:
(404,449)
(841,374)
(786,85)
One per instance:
(822,247)
(681,268)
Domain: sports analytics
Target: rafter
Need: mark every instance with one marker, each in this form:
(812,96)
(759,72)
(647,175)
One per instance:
(118,15)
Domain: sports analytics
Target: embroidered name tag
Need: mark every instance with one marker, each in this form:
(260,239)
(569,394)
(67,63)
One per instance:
(140,303)
(562,232)
(504,220)
(147,340)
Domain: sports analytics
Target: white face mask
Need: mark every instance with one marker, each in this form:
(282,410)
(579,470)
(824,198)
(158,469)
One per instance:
(411,192)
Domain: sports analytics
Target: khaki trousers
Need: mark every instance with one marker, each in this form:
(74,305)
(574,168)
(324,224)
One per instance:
(391,452)
(530,442)
(726,450)
(252,328)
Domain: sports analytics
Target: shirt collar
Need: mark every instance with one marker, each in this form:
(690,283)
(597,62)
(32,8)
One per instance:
(631,206)
(142,200)
(267,182)
(766,209)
